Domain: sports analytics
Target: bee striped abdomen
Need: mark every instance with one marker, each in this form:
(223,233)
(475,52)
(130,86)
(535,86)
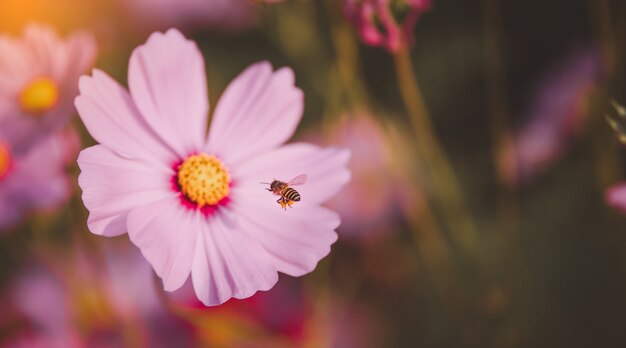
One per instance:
(291,194)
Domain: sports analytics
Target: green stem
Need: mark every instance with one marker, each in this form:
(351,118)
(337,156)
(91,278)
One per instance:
(507,201)
(607,159)
(447,190)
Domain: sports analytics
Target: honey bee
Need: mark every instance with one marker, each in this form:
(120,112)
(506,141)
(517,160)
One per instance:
(288,195)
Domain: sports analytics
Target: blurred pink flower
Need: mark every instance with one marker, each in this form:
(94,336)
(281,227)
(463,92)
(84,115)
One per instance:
(280,312)
(192,203)
(73,302)
(371,201)
(291,315)
(385,23)
(39,81)
(556,114)
(192,14)
(35,180)
(41,304)
(125,284)
(261,320)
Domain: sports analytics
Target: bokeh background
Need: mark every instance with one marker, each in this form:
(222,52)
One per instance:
(476,215)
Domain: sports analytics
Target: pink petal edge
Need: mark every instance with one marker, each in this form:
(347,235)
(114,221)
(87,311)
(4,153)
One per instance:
(166,233)
(166,77)
(259,110)
(112,186)
(325,168)
(227,263)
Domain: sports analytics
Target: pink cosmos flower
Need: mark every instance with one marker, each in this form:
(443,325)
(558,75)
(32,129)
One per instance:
(36,179)
(386,23)
(192,14)
(39,81)
(194,204)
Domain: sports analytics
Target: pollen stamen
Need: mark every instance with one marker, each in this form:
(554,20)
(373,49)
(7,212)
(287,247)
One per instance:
(203,179)
(39,96)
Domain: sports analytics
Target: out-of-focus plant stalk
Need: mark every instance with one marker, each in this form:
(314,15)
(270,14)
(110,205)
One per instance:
(607,160)
(602,22)
(447,196)
(501,132)
(436,255)
(347,62)
(132,333)
(347,65)
(507,204)
(447,190)
(429,237)
(344,85)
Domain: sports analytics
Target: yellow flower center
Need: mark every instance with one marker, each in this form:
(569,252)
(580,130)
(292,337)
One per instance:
(39,96)
(5,160)
(203,179)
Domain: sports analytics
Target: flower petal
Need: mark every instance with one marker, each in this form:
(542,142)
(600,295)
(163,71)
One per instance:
(167,81)
(227,263)
(296,240)
(325,169)
(45,50)
(14,65)
(113,186)
(81,54)
(165,231)
(113,120)
(258,111)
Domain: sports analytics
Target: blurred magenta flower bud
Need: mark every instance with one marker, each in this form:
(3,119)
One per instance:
(615,196)
(385,23)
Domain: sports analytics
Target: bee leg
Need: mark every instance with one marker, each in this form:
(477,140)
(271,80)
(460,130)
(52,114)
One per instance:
(281,201)
(289,203)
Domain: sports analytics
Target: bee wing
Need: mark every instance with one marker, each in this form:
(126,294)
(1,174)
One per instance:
(298,180)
